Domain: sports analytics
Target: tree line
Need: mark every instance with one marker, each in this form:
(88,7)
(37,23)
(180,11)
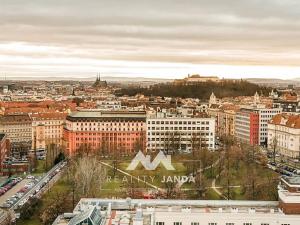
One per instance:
(199,90)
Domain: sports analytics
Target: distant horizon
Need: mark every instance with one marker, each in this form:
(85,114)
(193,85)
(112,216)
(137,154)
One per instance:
(113,77)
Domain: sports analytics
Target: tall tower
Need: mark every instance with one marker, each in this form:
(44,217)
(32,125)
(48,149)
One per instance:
(212,99)
(256,99)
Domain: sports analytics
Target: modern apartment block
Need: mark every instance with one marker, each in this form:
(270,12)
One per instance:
(47,128)
(284,135)
(247,126)
(286,211)
(107,131)
(180,133)
(251,124)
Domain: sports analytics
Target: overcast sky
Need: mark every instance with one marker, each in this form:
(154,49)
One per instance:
(153,38)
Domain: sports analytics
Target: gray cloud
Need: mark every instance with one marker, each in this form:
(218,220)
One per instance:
(233,32)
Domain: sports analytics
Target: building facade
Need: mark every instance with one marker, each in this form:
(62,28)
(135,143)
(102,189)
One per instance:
(4,149)
(226,123)
(106,131)
(47,128)
(194,79)
(109,105)
(265,115)
(180,133)
(247,126)
(251,124)
(18,129)
(284,135)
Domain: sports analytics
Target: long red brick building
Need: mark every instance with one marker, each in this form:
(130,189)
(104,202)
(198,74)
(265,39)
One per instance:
(109,131)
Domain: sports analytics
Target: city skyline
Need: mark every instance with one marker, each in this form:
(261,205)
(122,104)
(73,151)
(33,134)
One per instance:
(164,39)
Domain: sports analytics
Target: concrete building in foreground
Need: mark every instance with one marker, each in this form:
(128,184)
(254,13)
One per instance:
(286,211)
(107,131)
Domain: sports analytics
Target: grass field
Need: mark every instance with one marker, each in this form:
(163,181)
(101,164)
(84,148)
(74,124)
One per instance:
(239,177)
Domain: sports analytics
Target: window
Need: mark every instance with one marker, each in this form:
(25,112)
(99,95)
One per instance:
(212,223)
(160,223)
(247,223)
(177,223)
(229,223)
(194,223)
(264,224)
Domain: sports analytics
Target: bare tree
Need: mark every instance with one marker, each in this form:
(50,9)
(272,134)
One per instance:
(274,145)
(200,184)
(56,207)
(132,189)
(171,190)
(251,184)
(89,176)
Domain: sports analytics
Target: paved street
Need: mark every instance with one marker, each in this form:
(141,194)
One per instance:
(36,186)
(13,191)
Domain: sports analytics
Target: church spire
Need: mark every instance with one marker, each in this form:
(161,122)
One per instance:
(256,99)
(212,99)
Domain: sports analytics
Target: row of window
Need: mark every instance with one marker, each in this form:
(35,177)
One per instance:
(107,134)
(164,145)
(178,128)
(212,223)
(179,122)
(177,139)
(180,134)
(105,138)
(111,129)
(111,124)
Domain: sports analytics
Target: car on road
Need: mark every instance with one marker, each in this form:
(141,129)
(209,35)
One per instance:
(6,205)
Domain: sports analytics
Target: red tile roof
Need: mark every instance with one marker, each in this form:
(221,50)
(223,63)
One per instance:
(287,120)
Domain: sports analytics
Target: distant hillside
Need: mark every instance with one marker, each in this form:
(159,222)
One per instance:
(274,82)
(88,78)
(200,90)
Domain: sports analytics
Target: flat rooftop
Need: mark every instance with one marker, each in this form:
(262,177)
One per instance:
(200,206)
(108,114)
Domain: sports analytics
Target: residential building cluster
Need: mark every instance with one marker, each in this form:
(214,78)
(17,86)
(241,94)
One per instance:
(78,115)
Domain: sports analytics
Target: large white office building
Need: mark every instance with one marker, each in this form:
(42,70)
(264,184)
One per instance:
(180,133)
